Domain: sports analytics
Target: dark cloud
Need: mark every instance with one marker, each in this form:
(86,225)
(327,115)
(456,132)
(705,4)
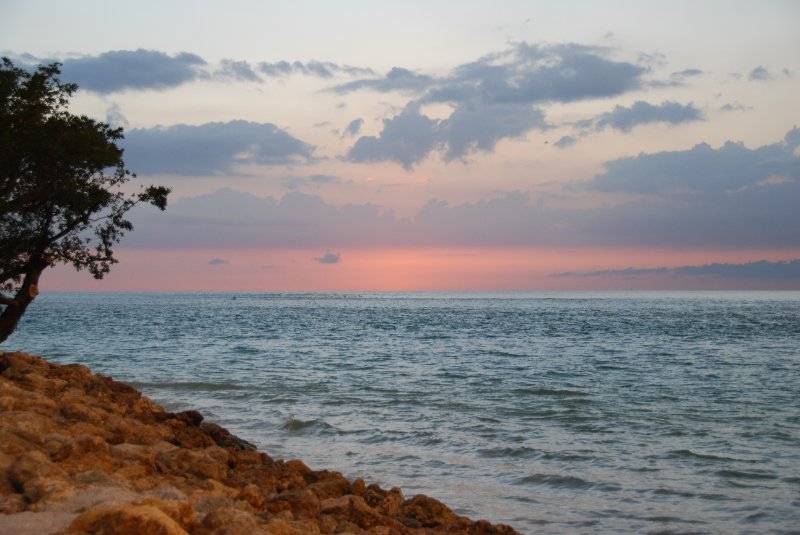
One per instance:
(229,218)
(676,79)
(139,69)
(494,98)
(759,73)
(686,73)
(565,141)
(735,106)
(540,73)
(479,127)
(328,258)
(236,70)
(702,168)
(684,202)
(525,73)
(353,128)
(627,272)
(409,137)
(406,139)
(750,270)
(624,119)
(322,69)
(217,262)
(760,270)
(397,79)
(732,196)
(211,148)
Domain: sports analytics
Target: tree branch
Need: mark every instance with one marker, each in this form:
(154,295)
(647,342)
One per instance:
(8,301)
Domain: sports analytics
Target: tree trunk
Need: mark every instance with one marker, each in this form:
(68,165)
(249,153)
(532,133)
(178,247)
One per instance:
(25,296)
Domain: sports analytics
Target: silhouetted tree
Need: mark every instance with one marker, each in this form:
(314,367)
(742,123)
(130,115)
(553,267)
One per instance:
(61,187)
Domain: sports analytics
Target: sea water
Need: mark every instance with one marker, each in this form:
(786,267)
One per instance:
(552,412)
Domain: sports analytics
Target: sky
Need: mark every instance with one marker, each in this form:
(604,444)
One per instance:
(471,145)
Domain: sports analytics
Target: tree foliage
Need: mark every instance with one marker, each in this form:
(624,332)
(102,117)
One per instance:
(62,187)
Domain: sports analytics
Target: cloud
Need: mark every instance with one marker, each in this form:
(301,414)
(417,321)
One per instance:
(397,79)
(627,272)
(217,262)
(625,119)
(686,73)
(538,73)
(477,127)
(322,69)
(328,258)
(676,79)
(353,128)
(406,139)
(409,137)
(115,118)
(702,168)
(565,141)
(211,148)
(760,270)
(523,73)
(236,70)
(315,181)
(759,73)
(494,98)
(750,270)
(735,106)
(731,197)
(140,69)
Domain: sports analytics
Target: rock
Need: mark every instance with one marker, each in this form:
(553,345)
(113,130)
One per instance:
(302,503)
(428,512)
(28,466)
(82,453)
(228,521)
(126,520)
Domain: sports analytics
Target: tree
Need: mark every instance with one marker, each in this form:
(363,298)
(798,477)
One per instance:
(62,187)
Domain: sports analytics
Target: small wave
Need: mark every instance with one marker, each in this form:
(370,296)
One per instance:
(189,386)
(551,392)
(514,453)
(689,454)
(555,481)
(245,350)
(295,425)
(501,353)
(737,474)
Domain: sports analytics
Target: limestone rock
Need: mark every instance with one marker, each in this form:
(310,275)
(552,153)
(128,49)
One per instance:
(83,454)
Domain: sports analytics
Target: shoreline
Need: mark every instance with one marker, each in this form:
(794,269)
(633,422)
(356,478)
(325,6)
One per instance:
(82,453)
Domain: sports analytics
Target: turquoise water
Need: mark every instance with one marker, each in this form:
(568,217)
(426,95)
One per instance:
(555,413)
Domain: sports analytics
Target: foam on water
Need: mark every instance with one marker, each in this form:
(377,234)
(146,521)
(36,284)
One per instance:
(587,412)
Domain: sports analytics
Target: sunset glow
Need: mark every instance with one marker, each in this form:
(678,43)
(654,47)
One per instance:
(509,145)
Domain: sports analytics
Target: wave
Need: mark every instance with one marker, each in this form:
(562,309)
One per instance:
(689,454)
(194,386)
(555,481)
(295,425)
(738,474)
(551,392)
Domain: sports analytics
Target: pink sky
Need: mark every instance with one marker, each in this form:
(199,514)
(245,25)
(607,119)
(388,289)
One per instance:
(401,269)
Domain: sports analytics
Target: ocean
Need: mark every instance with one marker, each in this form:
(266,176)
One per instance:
(553,412)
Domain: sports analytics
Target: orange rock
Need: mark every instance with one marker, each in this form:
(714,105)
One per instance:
(126,520)
(429,512)
(301,502)
(96,456)
(228,521)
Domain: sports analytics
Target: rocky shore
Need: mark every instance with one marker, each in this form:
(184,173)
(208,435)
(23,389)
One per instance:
(82,453)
